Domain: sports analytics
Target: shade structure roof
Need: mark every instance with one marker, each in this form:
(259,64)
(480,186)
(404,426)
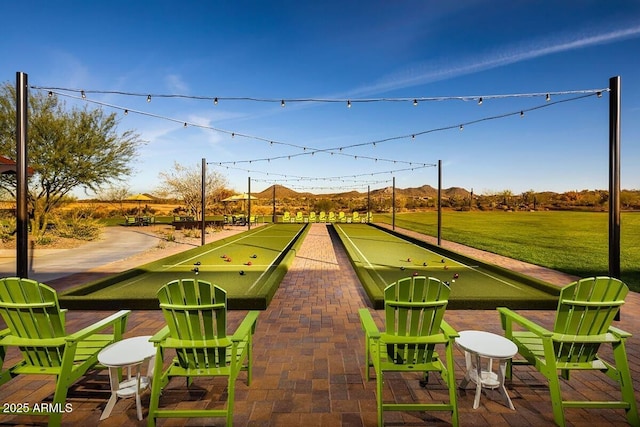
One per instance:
(139,198)
(8,166)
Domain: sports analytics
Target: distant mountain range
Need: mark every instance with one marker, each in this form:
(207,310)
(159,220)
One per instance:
(425,191)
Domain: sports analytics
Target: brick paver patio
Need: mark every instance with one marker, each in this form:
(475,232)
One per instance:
(309,362)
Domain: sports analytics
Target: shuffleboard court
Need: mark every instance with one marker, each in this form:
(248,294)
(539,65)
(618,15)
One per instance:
(381,258)
(249,266)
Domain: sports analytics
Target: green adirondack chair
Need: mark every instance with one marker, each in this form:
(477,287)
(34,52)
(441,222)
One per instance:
(196,316)
(414,309)
(36,326)
(585,312)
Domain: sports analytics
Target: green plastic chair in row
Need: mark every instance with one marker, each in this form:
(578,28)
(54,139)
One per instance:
(586,309)
(36,326)
(196,317)
(414,310)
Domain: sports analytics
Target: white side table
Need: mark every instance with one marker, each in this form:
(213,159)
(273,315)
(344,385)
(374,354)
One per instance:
(128,353)
(479,345)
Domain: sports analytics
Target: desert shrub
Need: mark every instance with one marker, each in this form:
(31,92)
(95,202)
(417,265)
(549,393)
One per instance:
(45,240)
(191,232)
(77,225)
(7,228)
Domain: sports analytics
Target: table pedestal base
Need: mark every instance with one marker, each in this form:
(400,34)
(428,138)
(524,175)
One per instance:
(485,378)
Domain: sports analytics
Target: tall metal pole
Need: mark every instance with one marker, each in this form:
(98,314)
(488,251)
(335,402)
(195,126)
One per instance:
(393,205)
(249,203)
(368,203)
(22,215)
(273,215)
(204,204)
(439,202)
(614,177)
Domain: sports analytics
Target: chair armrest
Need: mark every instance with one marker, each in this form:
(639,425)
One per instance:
(507,314)
(619,332)
(368,324)
(448,331)
(160,336)
(248,326)
(120,316)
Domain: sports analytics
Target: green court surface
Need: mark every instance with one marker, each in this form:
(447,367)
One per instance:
(249,266)
(381,257)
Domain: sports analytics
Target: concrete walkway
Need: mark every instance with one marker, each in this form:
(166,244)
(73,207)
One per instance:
(309,363)
(116,243)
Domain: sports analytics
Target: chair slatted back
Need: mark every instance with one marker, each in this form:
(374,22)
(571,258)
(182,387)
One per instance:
(414,306)
(587,307)
(31,310)
(195,311)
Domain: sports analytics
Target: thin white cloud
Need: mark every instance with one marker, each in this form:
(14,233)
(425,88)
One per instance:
(505,55)
(176,84)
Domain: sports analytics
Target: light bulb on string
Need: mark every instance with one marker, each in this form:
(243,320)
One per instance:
(348,104)
(215,101)
(548,97)
(461,127)
(126,112)
(415,102)
(599,94)
(50,94)
(84,96)
(480,101)
(148,98)
(282,103)
(521,113)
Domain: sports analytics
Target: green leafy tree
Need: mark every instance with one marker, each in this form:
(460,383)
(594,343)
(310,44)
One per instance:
(185,183)
(67,149)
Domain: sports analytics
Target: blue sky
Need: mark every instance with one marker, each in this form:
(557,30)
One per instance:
(357,51)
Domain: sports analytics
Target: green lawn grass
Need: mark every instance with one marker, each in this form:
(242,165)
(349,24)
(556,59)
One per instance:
(572,242)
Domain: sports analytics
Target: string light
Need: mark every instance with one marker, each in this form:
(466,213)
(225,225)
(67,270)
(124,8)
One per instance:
(126,112)
(480,101)
(286,177)
(585,93)
(215,101)
(548,98)
(148,98)
(348,104)
(282,101)
(50,94)
(83,95)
